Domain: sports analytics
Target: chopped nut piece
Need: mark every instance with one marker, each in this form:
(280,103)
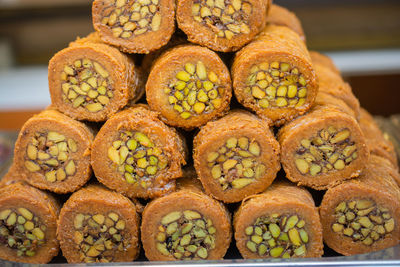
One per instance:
(324,152)
(288,88)
(275,235)
(194,91)
(227,161)
(182,232)
(136,157)
(357,225)
(96,77)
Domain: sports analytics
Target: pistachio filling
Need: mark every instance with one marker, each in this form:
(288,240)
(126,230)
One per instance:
(99,236)
(235,164)
(50,154)
(226,18)
(329,150)
(277,85)
(21,230)
(278,236)
(194,90)
(185,235)
(127,18)
(362,220)
(137,158)
(86,83)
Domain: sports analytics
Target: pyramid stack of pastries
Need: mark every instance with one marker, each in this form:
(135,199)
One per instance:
(148,151)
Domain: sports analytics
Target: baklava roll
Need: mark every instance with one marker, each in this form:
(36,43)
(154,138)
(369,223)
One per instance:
(98,225)
(149,59)
(332,83)
(189,85)
(221,25)
(11,176)
(322,148)
(236,156)
(324,99)
(376,142)
(324,60)
(274,76)
(90,80)
(282,222)
(185,225)
(137,155)
(390,169)
(52,152)
(362,215)
(278,15)
(134,26)
(28,224)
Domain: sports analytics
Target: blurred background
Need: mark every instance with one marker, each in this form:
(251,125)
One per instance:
(362,36)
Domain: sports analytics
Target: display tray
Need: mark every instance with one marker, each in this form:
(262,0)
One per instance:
(387,257)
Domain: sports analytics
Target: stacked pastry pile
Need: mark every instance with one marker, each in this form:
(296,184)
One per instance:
(293,110)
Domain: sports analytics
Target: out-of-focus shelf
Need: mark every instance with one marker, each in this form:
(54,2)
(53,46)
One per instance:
(24,4)
(375,62)
(24,89)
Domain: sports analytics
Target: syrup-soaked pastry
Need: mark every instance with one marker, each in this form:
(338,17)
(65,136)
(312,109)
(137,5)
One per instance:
(189,85)
(28,224)
(324,99)
(331,86)
(148,60)
(98,225)
(134,26)
(90,80)
(185,225)
(376,141)
(278,15)
(362,215)
(324,60)
(52,152)
(137,155)
(221,25)
(282,222)
(331,82)
(274,76)
(322,148)
(236,156)
(10,177)
(390,169)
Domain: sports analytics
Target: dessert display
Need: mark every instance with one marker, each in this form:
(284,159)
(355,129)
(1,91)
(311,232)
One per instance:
(362,215)
(10,177)
(330,82)
(98,225)
(52,152)
(274,75)
(236,156)
(134,26)
(278,15)
(322,148)
(90,80)
(189,85)
(376,141)
(144,154)
(185,225)
(221,25)
(328,100)
(28,224)
(137,155)
(148,59)
(323,60)
(281,222)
